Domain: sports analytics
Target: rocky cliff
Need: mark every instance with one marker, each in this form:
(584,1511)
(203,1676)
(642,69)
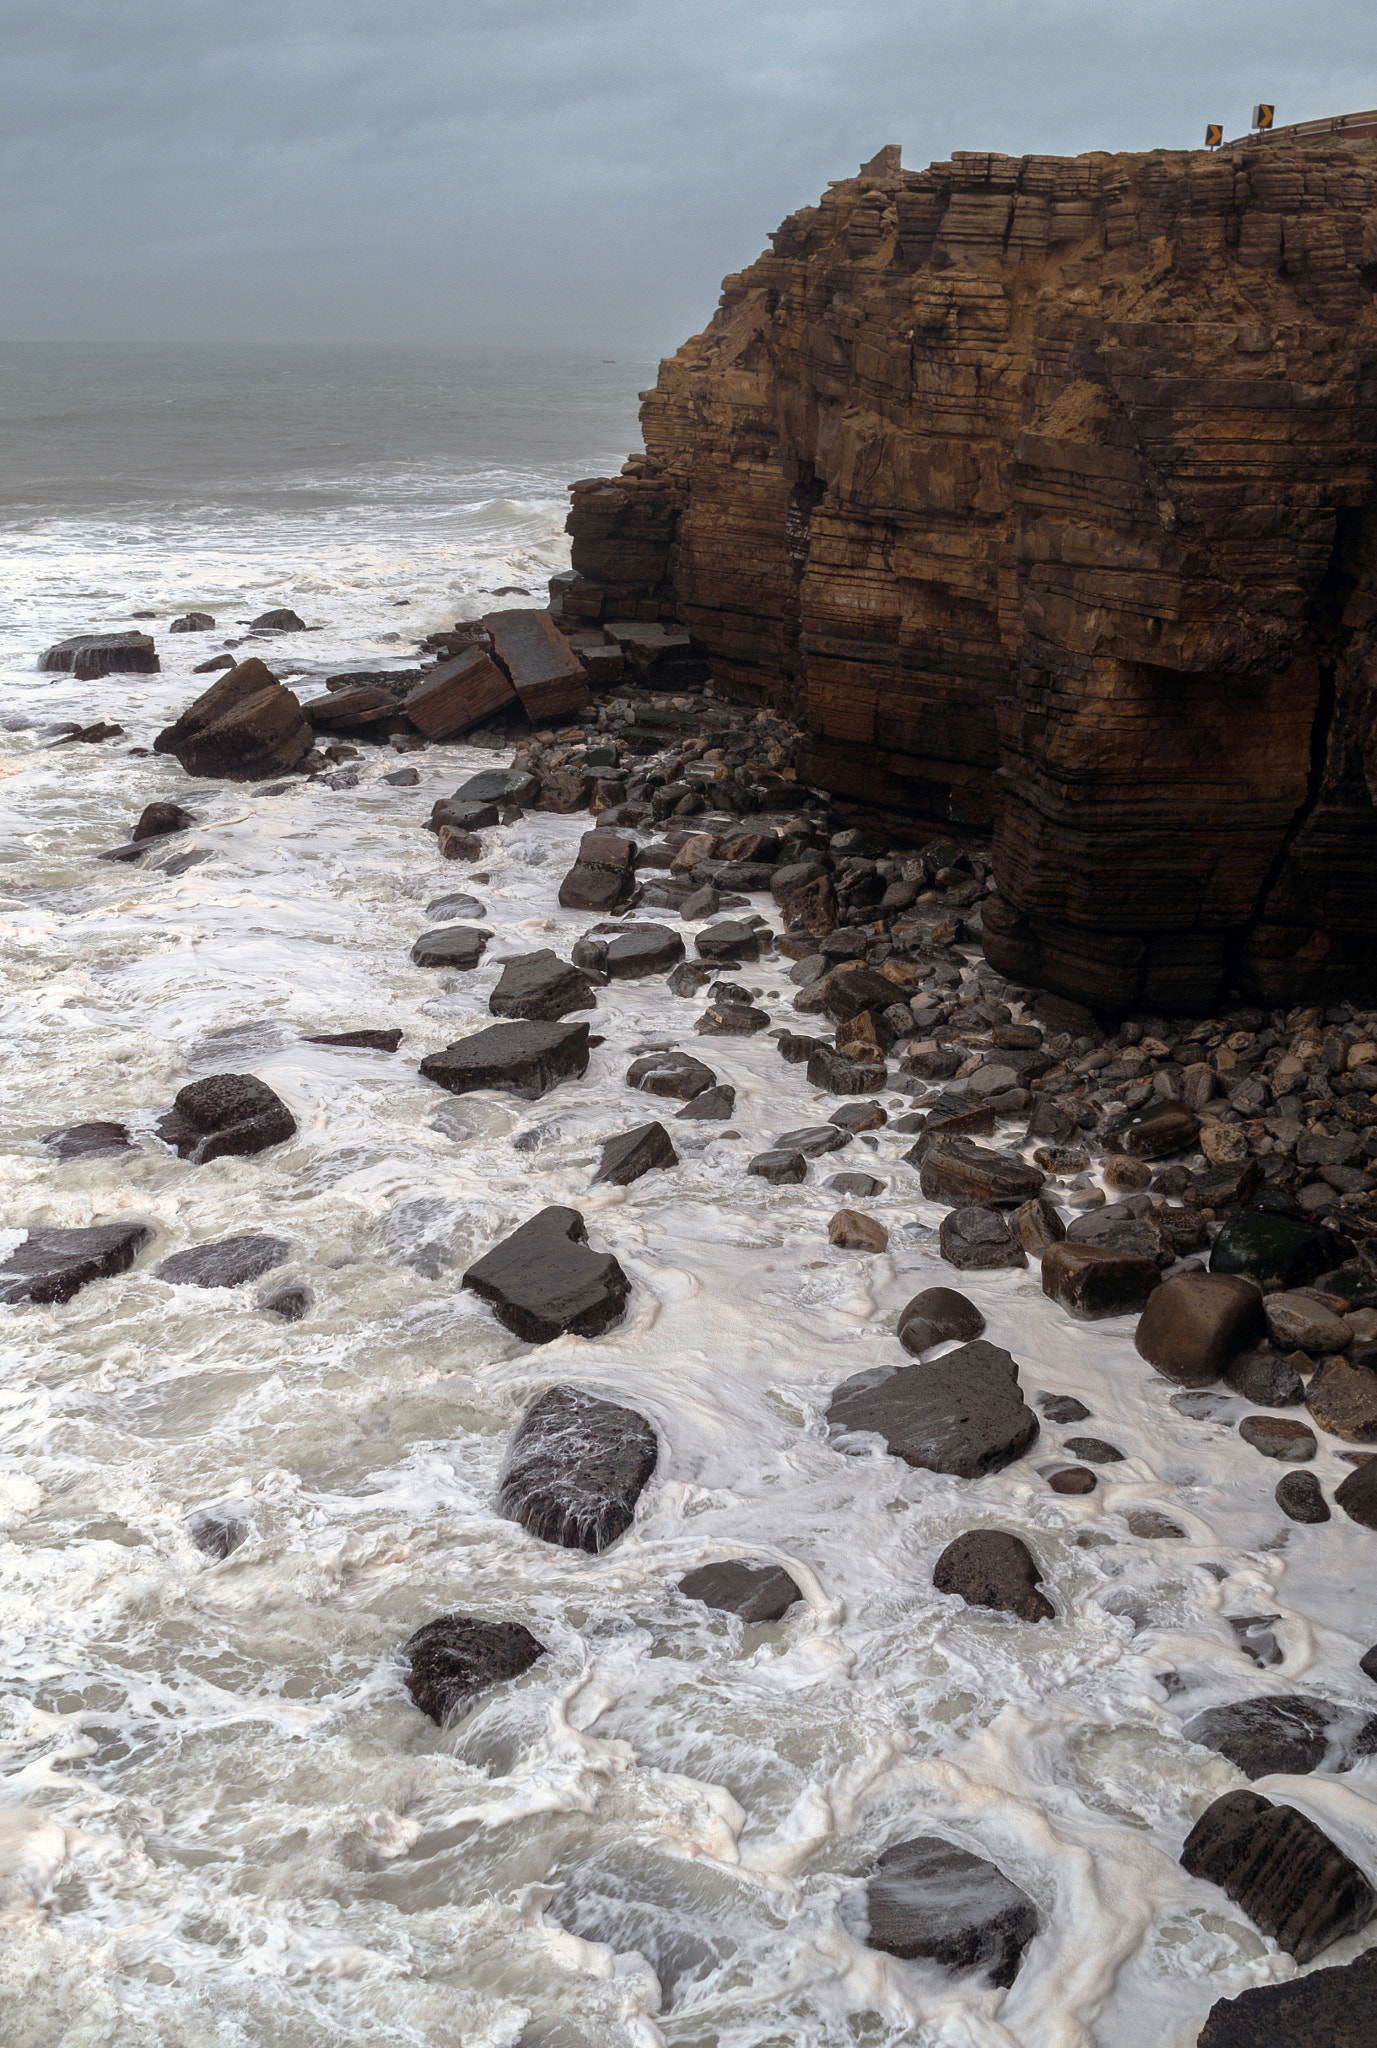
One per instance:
(1042,490)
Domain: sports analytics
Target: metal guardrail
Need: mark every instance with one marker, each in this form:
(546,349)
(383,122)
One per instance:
(1351,127)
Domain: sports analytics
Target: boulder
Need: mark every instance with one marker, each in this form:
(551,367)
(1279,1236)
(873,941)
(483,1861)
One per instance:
(755,1593)
(1279,1252)
(813,1140)
(88,656)
(626,1157)
(462,817)
(602,874)
(280,621)
(499,786)
(862,1186)
(1265,1378)
(452,843)
(225,1116)
(936,1316)
(1063,1408)
(156,821)
(1299,1497)
(1036,1224)
(1195,1323)
(1298,1322)
(991,1568)
(370,1041)
(1072,1479)
(244,727)
(1159,1131)
(1357,1495)
(451,945)
(853,1232)
(193,622)
(951,1116)
(626,952)
(217,1532)
(1090,1281)
(979,1240)
(1342,1397)
(1093,1449)
(542,987)
(546,673)
(451,1660)
(779,1167)
(728,941)
(838,1075)
(457,695)
(544,1281)
(456,905)
(674,1074)
(1151,1524)
(714,1105)
(1289,1733)
(90,1141)
(576,1467)
(528,1059)
(1282,1870)
(1326,2009)
(52,1265)
(731,1020)
(959,1172)
(1120,1227)
(859,1116)
(962,1413)
(228,1263)
(290,1303)
(1277,1437)
(933,1902)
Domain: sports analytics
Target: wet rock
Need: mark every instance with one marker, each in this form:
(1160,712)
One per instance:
(217,661)
(228,1263)
(932,1901)
(602,874)
(1297,1322)
(217,1531)
(1298,1496)
(1063,1408)
(280,621)
(779,1167)
(549,678)
(1195,1323)
(451,945)
(813,1140)
(1326,2009)
(1120,1227)
(937,1316)
(1090,1281)
(1266,1378)
(626,1157)
(731,1020)
(1276,1437)
(1279,1252)
(714,1105)
(454,844)
(157,821)
(1159,1130)
(962,1413)
(462,816)
(225,1116)
(1367,1663)
(528,1059)
(728,941)
(1357,1495)
(244,727)
(991,1568)
(959,1172)
(631,951)
(859,1116)
(545,1282)
(1292,1733)
(674,1074)
(862,1186)
(796,1049)
(979,1240)
(1342,1397)
(90,1141)
(367,1041)
(542,988)
(52,1265)
(838,1075)
(757,1593)
(458,694)
(1253,1634)
(688,977)
(1093,1449)
(1037,1225)
(853,1232)
(576,1468)
(1073,1479)
(1127,1175)
(88,656)
(499,786)
(456,905)
(451,1660)
(290,1303)
(1282,1870)
(1148,1522)
(77,735)
(193,622)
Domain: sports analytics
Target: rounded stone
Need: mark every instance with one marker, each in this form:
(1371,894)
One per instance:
(1277,1437)
(1073,1479)
(1299,1497)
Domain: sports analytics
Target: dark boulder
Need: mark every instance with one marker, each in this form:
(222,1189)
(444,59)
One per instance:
(90,1141)
(936,1316)
(1195,1323)
(991,1568)
(626,1157)
(674,1074)
(225,1115)
(458,904)
(1090,1281)
(1342,1396)
(53,1265)
(290,1302)
(576,1467)
(863,1185)
(451,945)
(1327,2009)
(1357,1495)
(1063,1408)
(779,1167)
(961,1173)
(714,1105)
(761,1592)
(544,1281)
(859,1116)
(1276,1436)
(731,1020)
(623,953)
(1299,1497)
(1285,1732)
(602,874)
(456,694)
(88,656)
(280,621)
(528,1059)
(193,622)
(217,1532)
(813,1140)
(1093,1449)
(838,1075)
(451,1660)
(369,1041)
(728,941)
(244,727)
(541,987)
(228,1263)
(1285,1873)
(963,1413)
(1158,1131)
(499,786)
(156,821)
(977,1240)
(930,1900)
(1266,1378)
(1279,1252)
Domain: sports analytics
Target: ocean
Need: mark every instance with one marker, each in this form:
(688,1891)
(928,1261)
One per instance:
(223,1824)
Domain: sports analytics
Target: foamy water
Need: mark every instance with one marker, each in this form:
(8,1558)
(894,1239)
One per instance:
(223,1821)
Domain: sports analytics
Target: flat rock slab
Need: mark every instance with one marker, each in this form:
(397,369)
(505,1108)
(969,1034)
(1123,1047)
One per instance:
(499,786)
(1285,1732)
(364,1041)
(715,1105)
(1090,1281)
(457,694)
(930,1900)
(450,1661)
(859,1116)
(731,1020)
(626,1157)
(90,655)
(576,1467)
(1328,2009)
(977,1240)
(626,952)
(991,1568)
(545,1282)
(53,1265)
(546,673)
(225,1116)
(1284,1872)
(1195,1323)
(812,1140)
(1297,1322)
(961,1173)
(450,945)
(674,1074)
(1342,1397)
(527,1059)
(1279,1252)
(757,1593)
(728,941)
(541,987)
(244,727)
(963,1413)
(90,1141)
(228,1263)
(936,1316)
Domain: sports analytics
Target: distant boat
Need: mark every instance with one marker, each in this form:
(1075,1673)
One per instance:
(609,359)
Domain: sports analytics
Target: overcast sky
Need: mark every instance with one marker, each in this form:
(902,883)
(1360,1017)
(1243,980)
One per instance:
(551,172)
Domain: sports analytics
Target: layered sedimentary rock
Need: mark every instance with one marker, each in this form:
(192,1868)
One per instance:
(1042,490)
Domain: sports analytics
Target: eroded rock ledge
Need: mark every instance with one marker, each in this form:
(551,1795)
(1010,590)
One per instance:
(1042,490)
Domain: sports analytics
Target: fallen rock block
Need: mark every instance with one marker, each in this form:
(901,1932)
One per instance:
(841,1076)
(991,1568)
(544,1282)
(1293,1733)
(546,673)
(936,1316)
(458,695)
(1090,1281)
(244,727)
(529,1059)
(602,874)
(541,987)
(1195,1323)
(228,1263)
(961,1173)
(715,1105)
(963,1413)
(853,1232)
(450,1661)
(644,1150)
(370,1041)
(1282,1870)
(503,786)
(625,952)
(225,1116)
(977,1240)
(675,1074)
(90,1141)
(88,656)
(454,844)
(728,941)
(813,1140)
(1327,2009)
(755,1593)
(779,1167)
(731,1020)
(1342,1397)
(930,1900)
(576,1468)
(52,1265)
(451,945)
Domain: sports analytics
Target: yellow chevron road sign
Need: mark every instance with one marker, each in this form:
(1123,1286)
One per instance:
(1262,116)
(1214,134)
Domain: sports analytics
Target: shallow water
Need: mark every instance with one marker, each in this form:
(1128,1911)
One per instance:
(223,1822)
